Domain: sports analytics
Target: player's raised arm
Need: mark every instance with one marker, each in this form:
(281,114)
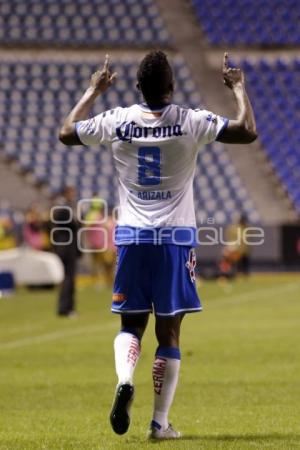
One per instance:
(100,82)
(241,130)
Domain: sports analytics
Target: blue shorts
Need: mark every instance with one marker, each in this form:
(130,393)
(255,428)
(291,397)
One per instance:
(155,278)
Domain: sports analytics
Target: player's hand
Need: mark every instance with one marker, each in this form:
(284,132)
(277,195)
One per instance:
(103,79)
(232,77)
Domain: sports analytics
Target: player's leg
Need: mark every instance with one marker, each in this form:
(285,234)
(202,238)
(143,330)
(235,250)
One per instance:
(165,373)
(127,345)
(127,351)
(66,304)
(174,294)
(131,298)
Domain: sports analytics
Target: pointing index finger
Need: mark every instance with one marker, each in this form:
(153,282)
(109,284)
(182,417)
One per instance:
(106,62)
(225,62)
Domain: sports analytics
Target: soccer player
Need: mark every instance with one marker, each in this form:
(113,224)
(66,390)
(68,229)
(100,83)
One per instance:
(154,146)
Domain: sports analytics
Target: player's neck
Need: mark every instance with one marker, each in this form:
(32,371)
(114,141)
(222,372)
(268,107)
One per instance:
(158,103)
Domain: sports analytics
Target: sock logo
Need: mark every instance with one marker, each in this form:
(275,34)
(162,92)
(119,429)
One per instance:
(158,374)
(133,352)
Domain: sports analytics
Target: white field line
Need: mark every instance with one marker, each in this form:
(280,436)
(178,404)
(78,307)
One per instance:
(255,295)
(31,340)
(235,300)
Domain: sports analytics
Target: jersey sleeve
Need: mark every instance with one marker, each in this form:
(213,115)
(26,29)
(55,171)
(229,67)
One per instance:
(206,126)
(97,130)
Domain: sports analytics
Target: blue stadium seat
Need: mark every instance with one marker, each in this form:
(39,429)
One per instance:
(269,22)
(278,116)
(82,22)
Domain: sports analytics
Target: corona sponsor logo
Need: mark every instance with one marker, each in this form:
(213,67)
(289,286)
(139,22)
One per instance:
(129,130)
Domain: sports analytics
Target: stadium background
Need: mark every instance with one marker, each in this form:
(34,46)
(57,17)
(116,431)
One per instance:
(48,50)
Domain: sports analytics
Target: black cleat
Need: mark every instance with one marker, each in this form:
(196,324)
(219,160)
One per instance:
(119,416)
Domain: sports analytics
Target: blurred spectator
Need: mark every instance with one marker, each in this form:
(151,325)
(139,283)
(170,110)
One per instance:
(64,240)
(36,233)
(8,238)
(235,254)
(100,241)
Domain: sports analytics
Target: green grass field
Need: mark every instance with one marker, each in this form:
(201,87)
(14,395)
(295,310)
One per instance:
(239,386)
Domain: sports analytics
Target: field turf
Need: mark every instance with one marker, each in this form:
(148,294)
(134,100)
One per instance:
(239,385)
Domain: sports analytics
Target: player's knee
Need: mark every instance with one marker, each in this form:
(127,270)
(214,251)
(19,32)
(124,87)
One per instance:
(167,330)
(167,337)
(135,324)
(136,331)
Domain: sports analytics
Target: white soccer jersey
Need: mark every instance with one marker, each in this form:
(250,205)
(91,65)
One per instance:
(155,154)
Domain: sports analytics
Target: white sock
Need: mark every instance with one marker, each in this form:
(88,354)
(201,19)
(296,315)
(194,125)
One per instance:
(165,377)
(127,351)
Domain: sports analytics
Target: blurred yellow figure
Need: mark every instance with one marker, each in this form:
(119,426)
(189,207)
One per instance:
(100,242)
(7,238)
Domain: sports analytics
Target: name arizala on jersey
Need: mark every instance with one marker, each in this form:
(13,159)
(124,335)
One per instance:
(128,130)
(154,195)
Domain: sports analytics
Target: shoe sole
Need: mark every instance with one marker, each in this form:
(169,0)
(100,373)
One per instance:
(162,438)
(119,417)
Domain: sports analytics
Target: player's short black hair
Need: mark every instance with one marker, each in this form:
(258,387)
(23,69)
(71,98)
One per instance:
(155,76)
